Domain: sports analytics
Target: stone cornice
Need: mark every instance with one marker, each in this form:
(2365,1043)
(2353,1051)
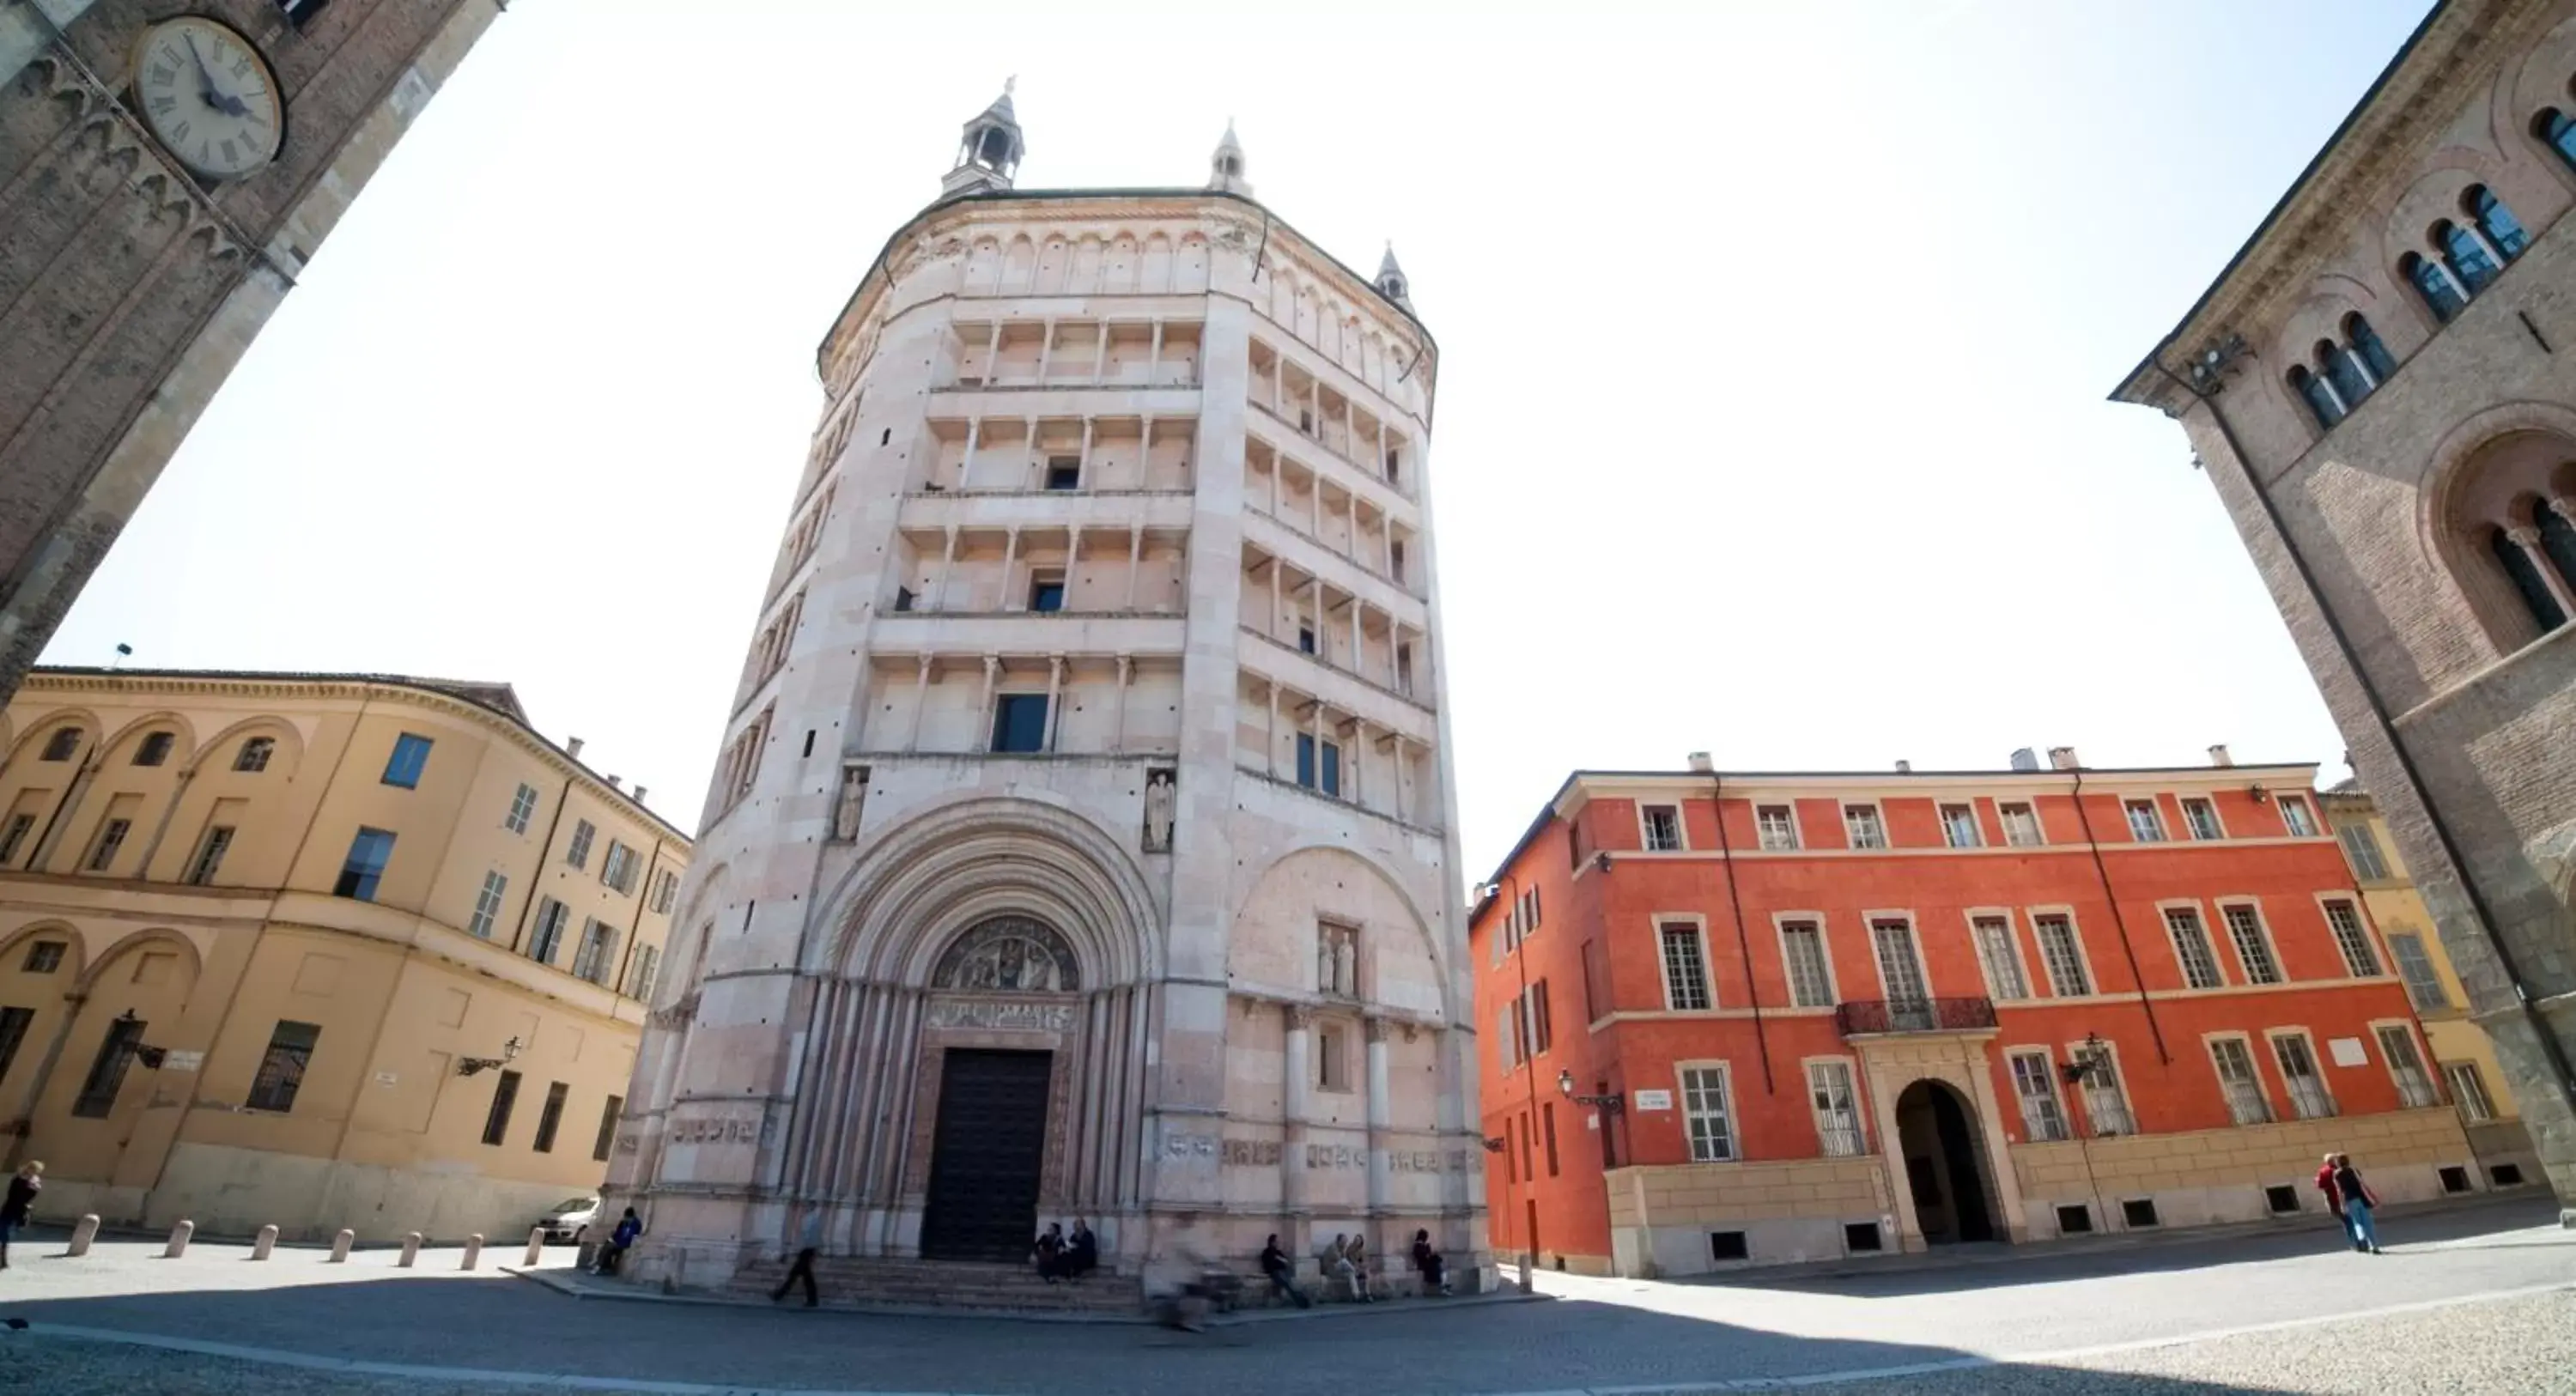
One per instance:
(290,688)
(2455,52)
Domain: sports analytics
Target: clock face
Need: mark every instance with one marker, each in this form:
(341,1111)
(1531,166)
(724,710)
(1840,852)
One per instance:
(209,97)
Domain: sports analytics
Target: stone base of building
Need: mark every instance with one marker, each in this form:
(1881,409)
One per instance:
(1688,1219)
(2505,1150)
(235,1192)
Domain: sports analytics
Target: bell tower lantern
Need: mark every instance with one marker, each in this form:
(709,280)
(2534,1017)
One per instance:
(989,152)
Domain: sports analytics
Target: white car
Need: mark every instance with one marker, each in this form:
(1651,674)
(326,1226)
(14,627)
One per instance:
(570,1219)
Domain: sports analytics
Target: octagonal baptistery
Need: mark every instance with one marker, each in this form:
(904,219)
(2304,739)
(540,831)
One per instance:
(1081,842)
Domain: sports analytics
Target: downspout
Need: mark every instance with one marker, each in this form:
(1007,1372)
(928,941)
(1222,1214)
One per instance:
(2550,1047)
(545,851)
(1743,944)
(2102,870)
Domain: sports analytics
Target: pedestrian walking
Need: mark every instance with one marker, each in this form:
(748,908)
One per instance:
(1283,1276)
(2334,1201)
(809,1238)
(2358,1199)
(21,1199)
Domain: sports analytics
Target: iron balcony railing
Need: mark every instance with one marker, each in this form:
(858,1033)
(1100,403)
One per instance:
(1864,1016)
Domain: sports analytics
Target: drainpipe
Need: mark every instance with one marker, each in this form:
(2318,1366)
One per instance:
(2562,1074)
(2102,871)
(545,851)
(1743,944)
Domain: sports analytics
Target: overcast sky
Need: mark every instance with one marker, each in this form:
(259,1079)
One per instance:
(1773,352)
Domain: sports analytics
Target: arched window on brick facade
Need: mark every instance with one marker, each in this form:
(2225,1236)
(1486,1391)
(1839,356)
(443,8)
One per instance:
(2556,130)
(2464,255)
(2516,551)
(2502,230)
(2344,371)
(2508,534)
(2318,395)
(2366,345)
(2440,293)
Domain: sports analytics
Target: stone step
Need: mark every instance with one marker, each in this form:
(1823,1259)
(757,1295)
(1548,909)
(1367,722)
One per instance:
(945,1284)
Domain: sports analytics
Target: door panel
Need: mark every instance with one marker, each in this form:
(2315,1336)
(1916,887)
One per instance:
(986,1156)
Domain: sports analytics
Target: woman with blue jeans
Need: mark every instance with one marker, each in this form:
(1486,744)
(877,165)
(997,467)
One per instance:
(20,1200)
(2358,1199)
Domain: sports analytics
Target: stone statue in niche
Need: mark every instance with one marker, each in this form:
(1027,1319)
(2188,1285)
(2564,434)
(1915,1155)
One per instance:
(854,797)
(1162,792)
(1008,954)
(1337,961)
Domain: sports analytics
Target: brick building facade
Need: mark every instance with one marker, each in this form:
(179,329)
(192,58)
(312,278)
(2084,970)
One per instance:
(1761,1018)
(165,173)
(2375,387)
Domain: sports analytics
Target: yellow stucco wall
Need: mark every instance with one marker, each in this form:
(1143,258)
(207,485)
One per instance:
(382,1134)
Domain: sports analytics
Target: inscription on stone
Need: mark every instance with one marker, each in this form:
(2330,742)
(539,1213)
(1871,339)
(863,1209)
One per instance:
(720,1131)
(1002,1014)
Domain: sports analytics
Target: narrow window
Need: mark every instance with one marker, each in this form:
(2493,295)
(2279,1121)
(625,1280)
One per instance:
(2469,1093)
(1305,638)
(551,915)
(2201,818)
(210,855)
(523,807)
(1663,825)
(2367,345)
(1705,1111)
(578,852)
(1331,1073)
(107,1070)
(2021,825)
(618,868)
(1861,825)
(2146,822)
(1829,1089)
(20,825)
(1900,970)
(647,960)
(13,1030)
(2415,965)
(111,837)
(1046,591)
(2554,127)
(281,1070)
(2343,371)
(496,1121)
(2433,284)
(2065,960)
(2352,940)
(2106,1101)
(1778,826)
(2191,948)
(369,851)
(2467,262)
(487,906)
(1064,473)
(2406,1066)
(1506,1029)
(1020,722)
(2043,1118)
(2296,817)
(1325,776)
(2308,1096)
(607,1128)
(1547,1128)
(1802,948)
(2319,397)
(2361,848)
(1685,972)
(43,957)
(2496,221)
(2253,948)
(2238,1083)
(254,754)
(2002,965)
(550,1117)
(1596,982)
(154,750)
(1959,826)
(2527,580)
(411,755)
(903,598)
(1542,1028)
(62,744)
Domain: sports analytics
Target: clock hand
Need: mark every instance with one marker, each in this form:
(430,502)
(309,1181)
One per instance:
(214,96)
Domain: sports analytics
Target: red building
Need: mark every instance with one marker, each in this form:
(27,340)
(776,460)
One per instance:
(1747,1018)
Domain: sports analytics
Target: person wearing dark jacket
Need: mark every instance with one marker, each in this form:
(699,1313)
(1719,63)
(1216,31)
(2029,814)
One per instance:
(21,1199)
(1081,1250)
(2358,1199)
(629,1227)
(1435,1272)
(2334,1201)
(1283,1276)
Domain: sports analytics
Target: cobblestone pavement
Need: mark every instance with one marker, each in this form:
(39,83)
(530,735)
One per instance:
(2057,1313)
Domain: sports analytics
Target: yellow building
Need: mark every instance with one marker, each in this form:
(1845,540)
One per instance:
(315,950)
(2475,1083)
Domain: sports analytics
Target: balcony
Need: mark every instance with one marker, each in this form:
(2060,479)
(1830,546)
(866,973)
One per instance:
(1873,1017)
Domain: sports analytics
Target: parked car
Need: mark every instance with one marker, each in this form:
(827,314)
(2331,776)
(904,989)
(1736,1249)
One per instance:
(570,1219)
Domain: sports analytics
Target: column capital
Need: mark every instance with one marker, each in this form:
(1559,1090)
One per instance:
(2523,536)
(1373,1028)
(2564,506)
(1298,1016)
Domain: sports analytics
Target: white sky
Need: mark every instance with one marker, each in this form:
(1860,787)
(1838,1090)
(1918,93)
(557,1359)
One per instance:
(1774,347)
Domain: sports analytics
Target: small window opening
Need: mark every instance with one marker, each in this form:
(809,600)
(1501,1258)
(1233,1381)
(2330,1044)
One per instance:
(2074,1219)
(2454,1178)
(903,598)
(1728,1245)
(1064,473)
(2506,1175)
(2138,1212)
(1861,1236)
(2281,1198)
(809,741)
(1046,591)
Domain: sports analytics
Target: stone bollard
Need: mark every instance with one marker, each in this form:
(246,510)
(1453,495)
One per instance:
(411,1250)
(267,1242)
(179,1240)
(340,1245)
(82,1235)
(473,1251)
(536,1248)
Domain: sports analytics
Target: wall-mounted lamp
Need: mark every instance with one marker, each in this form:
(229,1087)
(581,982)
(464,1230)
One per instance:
(149,1055)
(1607,1104)
(1494,1144)
(2257,793)
(510,1050)
(2092,1058)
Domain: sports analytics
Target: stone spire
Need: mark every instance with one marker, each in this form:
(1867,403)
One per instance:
(1226,166)
(989,151)
(1391,280)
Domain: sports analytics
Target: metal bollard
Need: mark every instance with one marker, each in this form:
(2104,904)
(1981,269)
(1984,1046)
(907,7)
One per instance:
(179,1240)
(536,1248)
(340,1245)
(267,1242)
(83,1234)
(473,1251)
(411,1250)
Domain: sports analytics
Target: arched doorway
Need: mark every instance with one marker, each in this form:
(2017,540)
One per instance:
(1937,1134)
(989,1139)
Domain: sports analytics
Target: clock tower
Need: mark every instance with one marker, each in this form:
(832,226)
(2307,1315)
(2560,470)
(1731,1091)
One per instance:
(166,170)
